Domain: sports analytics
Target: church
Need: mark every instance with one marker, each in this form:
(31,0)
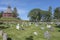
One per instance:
(7,12)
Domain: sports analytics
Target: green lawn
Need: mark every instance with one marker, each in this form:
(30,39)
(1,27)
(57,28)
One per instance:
(15,34)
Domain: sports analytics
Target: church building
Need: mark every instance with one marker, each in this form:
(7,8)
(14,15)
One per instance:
(7,12)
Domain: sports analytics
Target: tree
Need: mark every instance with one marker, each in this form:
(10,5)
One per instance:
(15,14)
(35,15)
(57,13)
(1,14)
(49,14)
(46,15)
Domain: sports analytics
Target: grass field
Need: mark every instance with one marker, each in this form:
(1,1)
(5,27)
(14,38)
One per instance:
(15,34)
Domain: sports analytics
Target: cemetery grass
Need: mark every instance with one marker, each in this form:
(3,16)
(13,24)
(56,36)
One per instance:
(15,34)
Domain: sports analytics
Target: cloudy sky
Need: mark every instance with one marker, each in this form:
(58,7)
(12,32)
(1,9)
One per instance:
(24,6)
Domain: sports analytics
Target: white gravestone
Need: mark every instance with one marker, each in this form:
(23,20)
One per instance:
(36,24)
(17,26)
(1,32)
(48,26)
(51,22)
(5,36)
(35,33)
(42,28)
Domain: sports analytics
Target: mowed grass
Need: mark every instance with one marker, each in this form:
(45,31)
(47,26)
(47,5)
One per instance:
(15,34)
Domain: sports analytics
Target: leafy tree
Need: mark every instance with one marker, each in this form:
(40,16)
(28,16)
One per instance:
(35,15)
(46,15)
(57,13)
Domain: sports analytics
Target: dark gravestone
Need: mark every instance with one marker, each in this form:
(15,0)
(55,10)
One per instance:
(9,38)
(58,30)
(29,38)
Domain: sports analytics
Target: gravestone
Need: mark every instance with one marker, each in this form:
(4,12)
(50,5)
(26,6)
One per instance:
(17,26)
(48,26)
(5,36)
(42,28)
(26,24)
(29,23)
(1,32)
(35,33)
(51,22)
(36,24)
(47,35)
(51,29)
(22,25)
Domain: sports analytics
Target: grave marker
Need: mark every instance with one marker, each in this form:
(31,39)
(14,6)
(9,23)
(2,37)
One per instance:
(47,35)
(42,28)
(35,33)
(5,36)
(48,26)
(1,32)
(17,26)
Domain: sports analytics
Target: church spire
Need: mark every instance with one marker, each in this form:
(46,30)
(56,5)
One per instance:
(9,6)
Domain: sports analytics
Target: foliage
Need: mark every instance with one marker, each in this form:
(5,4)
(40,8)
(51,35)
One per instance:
(1,14)
(46,15)
(15,14)
(35,14)
(40,15)
(57,13)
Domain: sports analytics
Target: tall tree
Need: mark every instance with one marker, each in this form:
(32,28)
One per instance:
(15,14)
(49,14)
(46,15)
(1,14)
(35,14)
(57,13)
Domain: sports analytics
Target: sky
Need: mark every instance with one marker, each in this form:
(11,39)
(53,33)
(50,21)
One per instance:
(25,6)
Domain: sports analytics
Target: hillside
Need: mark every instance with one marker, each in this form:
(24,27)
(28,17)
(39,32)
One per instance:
(15,34)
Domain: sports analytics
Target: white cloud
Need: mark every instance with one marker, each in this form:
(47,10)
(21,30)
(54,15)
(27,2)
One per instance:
(21,11)
(23,14)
